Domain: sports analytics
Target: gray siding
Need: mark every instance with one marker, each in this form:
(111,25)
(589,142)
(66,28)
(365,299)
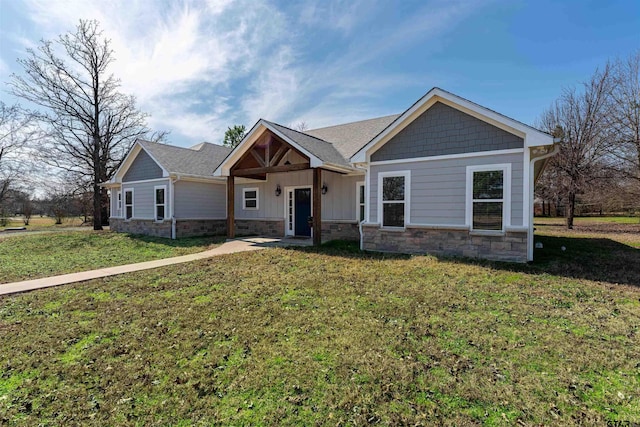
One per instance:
(338,204)
(143,167)
(438,188)
(200,200)
(143,198)
(443,130)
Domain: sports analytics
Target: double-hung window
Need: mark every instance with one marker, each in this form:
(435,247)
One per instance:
(360,198)
(488,196)
(250,198)
(160,192)
(393,191)
(128,203)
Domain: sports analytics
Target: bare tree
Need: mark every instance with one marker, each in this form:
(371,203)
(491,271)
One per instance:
(579,118)
(625,115)
(301,126)
(15,133)
(91,125)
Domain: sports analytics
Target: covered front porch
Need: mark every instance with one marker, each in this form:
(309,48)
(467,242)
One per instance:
(278,188)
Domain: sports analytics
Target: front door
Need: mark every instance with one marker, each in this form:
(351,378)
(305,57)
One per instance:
(302,203)
(298,211)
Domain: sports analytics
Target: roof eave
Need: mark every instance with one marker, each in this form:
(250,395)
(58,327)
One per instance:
(532,137)
(224,169)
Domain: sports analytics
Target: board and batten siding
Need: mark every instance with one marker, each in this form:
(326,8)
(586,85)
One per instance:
(200,200)
(339,204)
(143,167)
(144,197)
(443,130)
(438,188)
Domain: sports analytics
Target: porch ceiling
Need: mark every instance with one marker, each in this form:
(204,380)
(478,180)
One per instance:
(269,154)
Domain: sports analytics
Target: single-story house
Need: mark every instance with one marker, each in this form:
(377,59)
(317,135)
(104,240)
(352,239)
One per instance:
(167,191)
(447,176)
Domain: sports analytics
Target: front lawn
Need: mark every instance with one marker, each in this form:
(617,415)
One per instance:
(327,336)
(40,255)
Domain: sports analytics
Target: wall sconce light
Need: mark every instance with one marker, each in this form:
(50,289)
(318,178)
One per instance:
(324,188)
(278,190)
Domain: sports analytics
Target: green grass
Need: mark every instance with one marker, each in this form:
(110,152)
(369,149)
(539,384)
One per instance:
(38,223)
(331,336)
(591,220)
(41,255)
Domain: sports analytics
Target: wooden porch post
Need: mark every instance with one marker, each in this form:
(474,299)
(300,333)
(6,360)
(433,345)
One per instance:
(317,206)
(231,217)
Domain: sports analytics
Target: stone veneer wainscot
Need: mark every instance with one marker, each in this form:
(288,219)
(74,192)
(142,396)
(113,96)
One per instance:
(509,246)
(184,227)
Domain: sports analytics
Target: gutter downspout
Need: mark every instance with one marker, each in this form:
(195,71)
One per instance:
(366,204)
(172,181)
(553,152)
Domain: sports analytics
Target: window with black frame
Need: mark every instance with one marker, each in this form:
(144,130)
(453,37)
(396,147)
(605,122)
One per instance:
(393,201)
(488,200)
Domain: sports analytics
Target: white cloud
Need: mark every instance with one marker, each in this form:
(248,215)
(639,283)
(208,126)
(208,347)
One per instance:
(198,67)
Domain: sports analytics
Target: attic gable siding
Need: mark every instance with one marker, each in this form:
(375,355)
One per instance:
(443,130)
(143,167)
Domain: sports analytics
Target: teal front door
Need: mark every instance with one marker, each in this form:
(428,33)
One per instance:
(302,203)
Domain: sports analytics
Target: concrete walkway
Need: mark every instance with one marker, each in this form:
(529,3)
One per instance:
(229,247)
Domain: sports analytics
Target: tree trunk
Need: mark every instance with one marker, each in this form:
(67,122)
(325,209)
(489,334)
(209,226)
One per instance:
(104,207)
(97,207)
(571,209)
(97,194)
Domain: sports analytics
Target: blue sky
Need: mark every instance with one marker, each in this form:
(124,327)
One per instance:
(198,67)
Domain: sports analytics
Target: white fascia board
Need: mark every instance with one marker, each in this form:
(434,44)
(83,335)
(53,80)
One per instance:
(110,184)
(225,167)
(341,169)
(128,161)
(531,136)
(538,139)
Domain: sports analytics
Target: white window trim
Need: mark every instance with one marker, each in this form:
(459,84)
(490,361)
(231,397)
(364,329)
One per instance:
(358,204)
(506,194)
(156,204)
(118,212)
(133,202)
(407,196)
(244,198)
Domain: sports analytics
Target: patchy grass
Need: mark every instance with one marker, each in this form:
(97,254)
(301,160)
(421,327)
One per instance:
(44,222)
(327,336)
(41,255)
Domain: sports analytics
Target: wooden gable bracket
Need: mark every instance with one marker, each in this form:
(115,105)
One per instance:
(256,163)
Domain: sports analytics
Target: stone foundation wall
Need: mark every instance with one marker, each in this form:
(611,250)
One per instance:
(339,231)
(270,228)
(148,227)
(512,246)
(184,228)
(200,227)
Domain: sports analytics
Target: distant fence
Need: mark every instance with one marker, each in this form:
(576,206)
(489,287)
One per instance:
(543,208)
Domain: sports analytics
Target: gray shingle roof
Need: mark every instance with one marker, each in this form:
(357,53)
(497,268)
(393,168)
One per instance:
(199,160)
(323,150)
(348,138)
